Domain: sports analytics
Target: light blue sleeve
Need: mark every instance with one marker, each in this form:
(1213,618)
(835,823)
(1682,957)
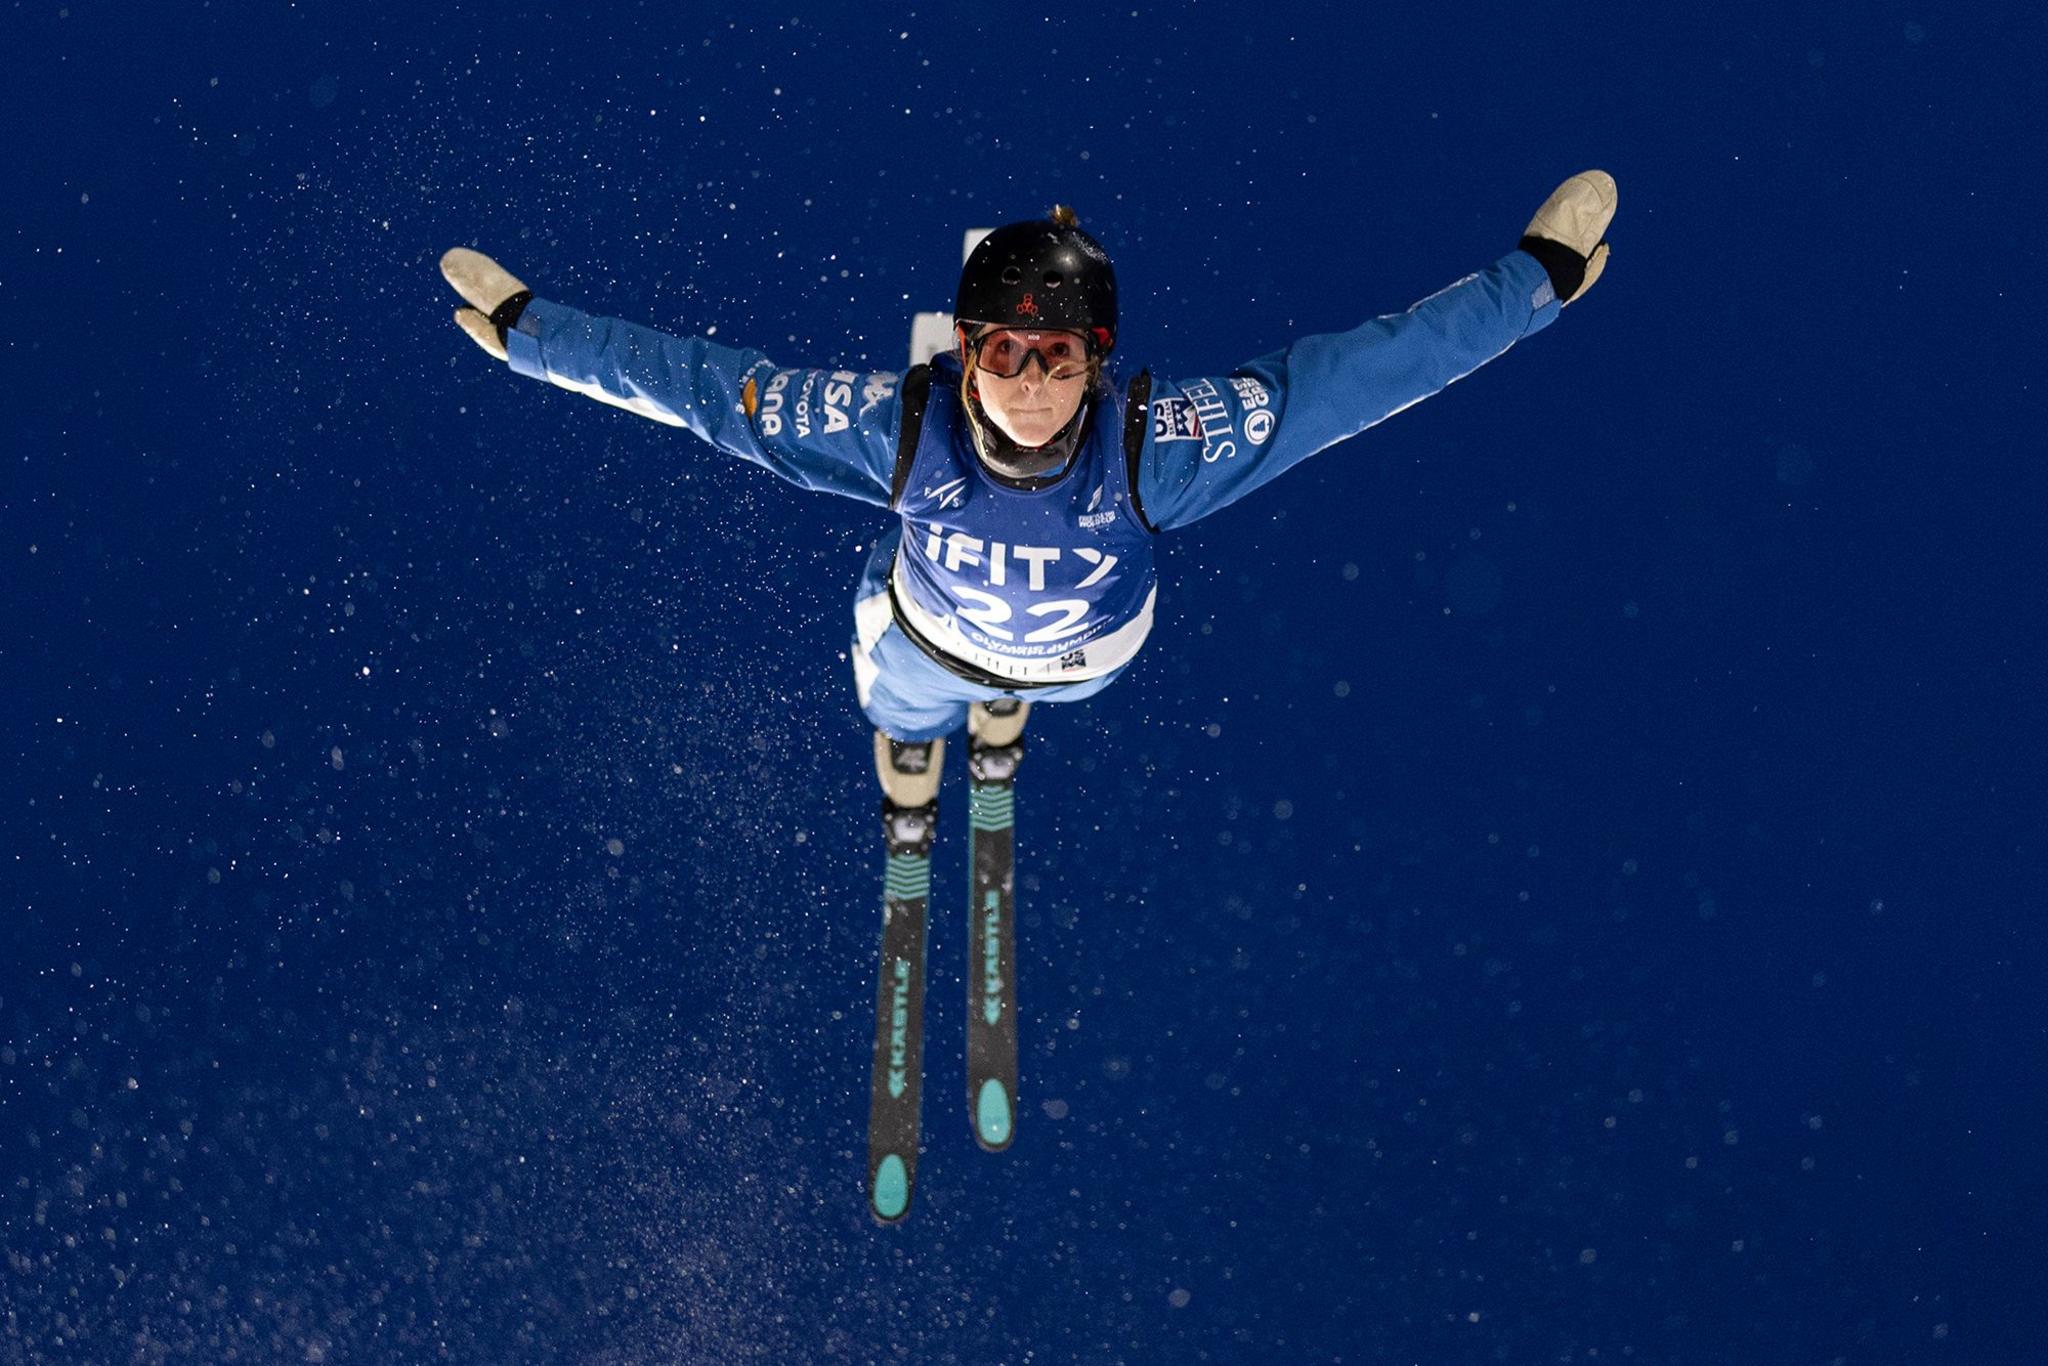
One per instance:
(1215,440)
(833,430)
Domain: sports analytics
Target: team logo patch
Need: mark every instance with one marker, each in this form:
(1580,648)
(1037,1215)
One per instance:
(1174,419)
(1258,425)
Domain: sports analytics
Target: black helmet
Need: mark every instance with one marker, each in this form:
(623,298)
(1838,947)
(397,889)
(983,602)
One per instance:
(1044,272)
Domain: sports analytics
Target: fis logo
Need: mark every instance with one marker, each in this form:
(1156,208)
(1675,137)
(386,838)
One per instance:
(950,495)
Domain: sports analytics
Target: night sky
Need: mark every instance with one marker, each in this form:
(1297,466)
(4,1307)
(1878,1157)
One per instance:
(1562,883)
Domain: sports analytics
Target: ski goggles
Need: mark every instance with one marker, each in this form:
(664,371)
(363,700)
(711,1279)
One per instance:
(1006,352)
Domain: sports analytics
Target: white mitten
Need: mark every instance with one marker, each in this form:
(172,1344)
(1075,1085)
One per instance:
(495,297)
(1569,233)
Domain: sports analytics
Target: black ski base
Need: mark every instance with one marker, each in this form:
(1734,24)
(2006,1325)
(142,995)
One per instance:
(896,1090)
(992,944)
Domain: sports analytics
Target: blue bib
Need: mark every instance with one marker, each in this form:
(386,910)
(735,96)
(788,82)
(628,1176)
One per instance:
(1047,585)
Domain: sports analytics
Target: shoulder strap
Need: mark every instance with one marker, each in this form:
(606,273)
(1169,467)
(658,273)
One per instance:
(1137,419)
(914,392)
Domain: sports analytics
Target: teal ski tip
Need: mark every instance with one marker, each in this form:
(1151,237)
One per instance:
(891,1195)
(992,1115)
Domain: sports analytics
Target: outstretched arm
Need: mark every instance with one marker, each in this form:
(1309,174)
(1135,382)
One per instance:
(833,430)
(1215,440)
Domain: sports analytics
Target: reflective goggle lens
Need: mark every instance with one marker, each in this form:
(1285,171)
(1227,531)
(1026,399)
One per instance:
(1004,354)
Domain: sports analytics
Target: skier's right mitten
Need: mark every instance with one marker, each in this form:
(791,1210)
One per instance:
(496,297)
(1568,235)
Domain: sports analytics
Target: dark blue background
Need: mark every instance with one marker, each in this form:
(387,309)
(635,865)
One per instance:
(1561,885)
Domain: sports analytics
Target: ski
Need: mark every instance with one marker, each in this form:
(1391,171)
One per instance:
(910,771)
(898,1082)
(995,748)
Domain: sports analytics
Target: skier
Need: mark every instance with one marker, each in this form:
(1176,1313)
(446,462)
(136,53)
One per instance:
(1028,485)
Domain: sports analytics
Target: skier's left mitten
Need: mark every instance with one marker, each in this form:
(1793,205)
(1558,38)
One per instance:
(1568,235)
(496,297)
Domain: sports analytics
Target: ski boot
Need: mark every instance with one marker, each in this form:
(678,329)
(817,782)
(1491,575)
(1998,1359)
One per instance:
(997,725)
(909,770)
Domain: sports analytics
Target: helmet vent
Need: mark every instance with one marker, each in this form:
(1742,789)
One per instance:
(1053,279)
(1012,275)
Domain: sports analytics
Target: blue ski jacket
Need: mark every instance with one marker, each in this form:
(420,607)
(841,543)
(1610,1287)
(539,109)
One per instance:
(1205,443)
